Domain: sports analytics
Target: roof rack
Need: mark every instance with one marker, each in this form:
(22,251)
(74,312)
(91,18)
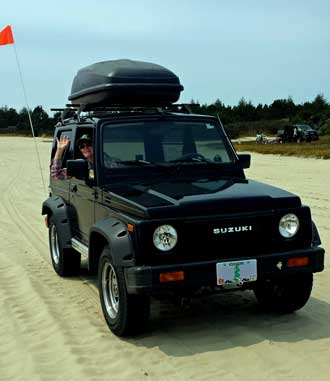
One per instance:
(67,113)
(183,107)
(73,111)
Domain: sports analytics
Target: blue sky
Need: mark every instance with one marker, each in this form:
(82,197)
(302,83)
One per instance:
(259,50)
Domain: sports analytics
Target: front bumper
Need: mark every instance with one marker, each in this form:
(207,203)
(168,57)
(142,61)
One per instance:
(146,279)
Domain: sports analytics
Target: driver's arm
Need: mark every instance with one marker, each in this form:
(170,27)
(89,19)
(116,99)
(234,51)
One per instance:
(56,170)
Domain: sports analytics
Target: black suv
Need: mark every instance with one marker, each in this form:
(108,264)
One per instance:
(167,209)
(297,133)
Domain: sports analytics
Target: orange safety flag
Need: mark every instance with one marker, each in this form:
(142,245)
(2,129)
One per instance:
(6,36)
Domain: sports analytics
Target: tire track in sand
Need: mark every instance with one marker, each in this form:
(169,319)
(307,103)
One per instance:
(64,314)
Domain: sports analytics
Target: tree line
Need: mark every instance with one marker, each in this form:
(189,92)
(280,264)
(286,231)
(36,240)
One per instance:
(247,119)
(12,121)
(241,119)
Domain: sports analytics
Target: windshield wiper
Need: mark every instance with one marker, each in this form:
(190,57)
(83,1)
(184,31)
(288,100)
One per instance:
(194,159)
(140,162)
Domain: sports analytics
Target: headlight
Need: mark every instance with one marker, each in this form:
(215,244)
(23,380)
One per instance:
(165,237)
(289,225)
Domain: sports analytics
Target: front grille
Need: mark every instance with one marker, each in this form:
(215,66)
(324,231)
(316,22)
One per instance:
(207,238)
(227,238)
(210,238)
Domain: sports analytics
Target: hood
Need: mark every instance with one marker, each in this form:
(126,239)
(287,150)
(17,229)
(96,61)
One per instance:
(201,197)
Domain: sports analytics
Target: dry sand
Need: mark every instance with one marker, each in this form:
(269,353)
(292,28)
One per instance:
(53,328)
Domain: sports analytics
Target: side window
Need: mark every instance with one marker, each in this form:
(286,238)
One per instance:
(69,152)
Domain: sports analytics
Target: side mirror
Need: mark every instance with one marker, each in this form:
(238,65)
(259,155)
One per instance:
(77,168)
(244,160)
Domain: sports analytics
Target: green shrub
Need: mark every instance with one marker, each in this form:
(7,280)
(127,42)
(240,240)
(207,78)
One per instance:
(325,128)
(319,148)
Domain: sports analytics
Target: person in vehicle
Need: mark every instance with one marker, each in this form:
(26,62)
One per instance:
(85,146)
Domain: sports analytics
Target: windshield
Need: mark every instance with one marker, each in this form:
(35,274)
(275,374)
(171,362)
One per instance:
(305,127)
(163,143)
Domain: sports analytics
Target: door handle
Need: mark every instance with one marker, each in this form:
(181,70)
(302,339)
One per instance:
(74,189)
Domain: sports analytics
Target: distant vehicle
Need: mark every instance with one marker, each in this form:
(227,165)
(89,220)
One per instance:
(296,133)
(261,138)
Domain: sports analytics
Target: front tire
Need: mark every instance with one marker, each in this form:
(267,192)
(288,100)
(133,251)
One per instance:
(125,314)
(66,262)
(284,295)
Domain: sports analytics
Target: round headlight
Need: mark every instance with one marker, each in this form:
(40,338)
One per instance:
(289,225)
(165,237)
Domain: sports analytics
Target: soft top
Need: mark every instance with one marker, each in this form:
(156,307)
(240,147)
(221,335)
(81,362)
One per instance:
(125,82)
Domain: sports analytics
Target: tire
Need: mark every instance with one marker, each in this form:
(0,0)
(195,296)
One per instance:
(125,314)
(66,262)
(284,295)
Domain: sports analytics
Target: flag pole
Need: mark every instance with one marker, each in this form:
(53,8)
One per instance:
(29,114)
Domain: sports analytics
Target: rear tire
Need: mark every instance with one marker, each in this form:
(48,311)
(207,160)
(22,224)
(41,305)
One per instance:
(125,314)
(66,262)
(284,295)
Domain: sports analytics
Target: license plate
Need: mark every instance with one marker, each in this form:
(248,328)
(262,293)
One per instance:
(236,272)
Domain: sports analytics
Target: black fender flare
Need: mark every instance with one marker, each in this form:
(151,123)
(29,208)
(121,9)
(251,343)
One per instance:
(113,232)
(57,208)
(316,240)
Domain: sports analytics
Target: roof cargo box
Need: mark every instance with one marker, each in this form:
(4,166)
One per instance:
(125,82)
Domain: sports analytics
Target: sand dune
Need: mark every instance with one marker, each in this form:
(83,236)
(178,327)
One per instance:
(53,328)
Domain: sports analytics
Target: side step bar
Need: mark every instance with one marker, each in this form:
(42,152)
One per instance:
(80,247)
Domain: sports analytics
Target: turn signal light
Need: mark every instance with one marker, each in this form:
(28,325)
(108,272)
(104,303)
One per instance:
(130,227)
(296,262)
(171,276)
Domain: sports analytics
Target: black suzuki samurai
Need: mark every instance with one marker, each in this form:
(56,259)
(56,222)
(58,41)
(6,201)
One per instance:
(166,208)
